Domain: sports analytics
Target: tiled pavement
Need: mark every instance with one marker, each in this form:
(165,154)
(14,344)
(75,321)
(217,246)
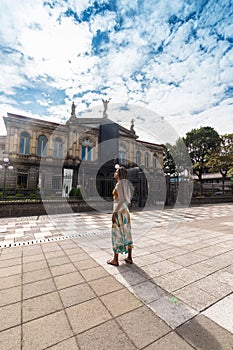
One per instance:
(49,228)
(60,293)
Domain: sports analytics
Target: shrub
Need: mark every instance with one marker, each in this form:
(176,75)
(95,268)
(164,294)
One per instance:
(19,196)
(76,193)
(33,196)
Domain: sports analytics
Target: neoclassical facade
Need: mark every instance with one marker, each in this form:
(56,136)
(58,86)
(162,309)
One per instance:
(57,157)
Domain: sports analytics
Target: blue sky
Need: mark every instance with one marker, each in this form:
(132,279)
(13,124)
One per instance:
(174,58)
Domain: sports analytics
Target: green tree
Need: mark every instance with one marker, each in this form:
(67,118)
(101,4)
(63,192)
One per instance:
(176,157)
(168,161)
(221,159)
(201,143)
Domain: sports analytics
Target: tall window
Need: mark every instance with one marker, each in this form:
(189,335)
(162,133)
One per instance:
(22,180)
(122,155)
(24,144)
(138,158)
(56,182)
(154,161)
(87,150)
(42,145)
(146,159)
(58,148)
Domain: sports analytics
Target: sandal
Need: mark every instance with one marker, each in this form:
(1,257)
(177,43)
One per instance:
(110,262)
(128,261)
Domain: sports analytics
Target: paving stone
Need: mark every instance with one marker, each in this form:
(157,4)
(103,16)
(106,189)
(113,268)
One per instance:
(32,250)
(73,251)
(60,260)
(38,288)
(38,275)
(187,275)
(10,262)
(14,252)
(169,283)
(94,273)
(161,268)
(202,268)
(76,294)
(10,316)
(229,269)
(51,329)
(69,344)
(41,306)
(120,302)
(170,341)
(68,280)
(225,277)
(219,262)
(11,339)
(188,259)
(32,258)
(195,297)
(105,285)
(10,281)
(105,337)
(203,334)
(36,265)
(147,291)
(68,244)
(85,264)
(54,254)
(212,250)
(172,310)
(142,326)
(150,258)
(87,315)
(51,247)
(222,313)
(62,269)
(169,253)
(78,257)
(9,271)
(10,295)
(130,278)
(212,285)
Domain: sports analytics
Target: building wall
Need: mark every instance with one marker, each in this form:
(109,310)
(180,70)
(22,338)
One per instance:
(48,171)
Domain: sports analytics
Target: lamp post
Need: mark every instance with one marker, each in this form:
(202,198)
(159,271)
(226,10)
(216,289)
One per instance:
(5,165)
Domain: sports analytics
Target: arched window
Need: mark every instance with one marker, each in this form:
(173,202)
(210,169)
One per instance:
(24,144)
(42,146)
(154,161)
(138,158)
(146,160)
(122,155)
(58,147)
(87,149)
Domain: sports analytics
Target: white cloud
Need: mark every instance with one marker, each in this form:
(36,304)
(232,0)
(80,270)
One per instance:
(180,70)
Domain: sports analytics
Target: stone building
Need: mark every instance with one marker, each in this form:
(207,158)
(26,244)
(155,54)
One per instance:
(54,158)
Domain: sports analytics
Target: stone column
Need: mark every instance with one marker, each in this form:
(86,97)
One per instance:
(33,148)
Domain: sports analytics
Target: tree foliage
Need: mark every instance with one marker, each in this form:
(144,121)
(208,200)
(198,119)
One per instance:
(176,157)
(201,143)
(221,159)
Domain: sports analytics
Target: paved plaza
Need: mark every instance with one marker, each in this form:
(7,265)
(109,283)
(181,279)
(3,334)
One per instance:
(57,292)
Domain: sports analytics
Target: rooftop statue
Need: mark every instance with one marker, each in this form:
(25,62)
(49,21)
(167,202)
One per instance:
(132,127)
(105,103)
(73,108)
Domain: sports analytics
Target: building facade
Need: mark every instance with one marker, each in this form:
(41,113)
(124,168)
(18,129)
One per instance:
(53,158)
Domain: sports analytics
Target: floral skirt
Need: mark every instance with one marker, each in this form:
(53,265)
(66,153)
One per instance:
(121,232)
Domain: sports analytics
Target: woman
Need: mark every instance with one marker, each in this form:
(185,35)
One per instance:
(121,227)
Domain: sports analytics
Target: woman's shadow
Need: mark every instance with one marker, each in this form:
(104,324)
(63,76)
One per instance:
(182,318)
